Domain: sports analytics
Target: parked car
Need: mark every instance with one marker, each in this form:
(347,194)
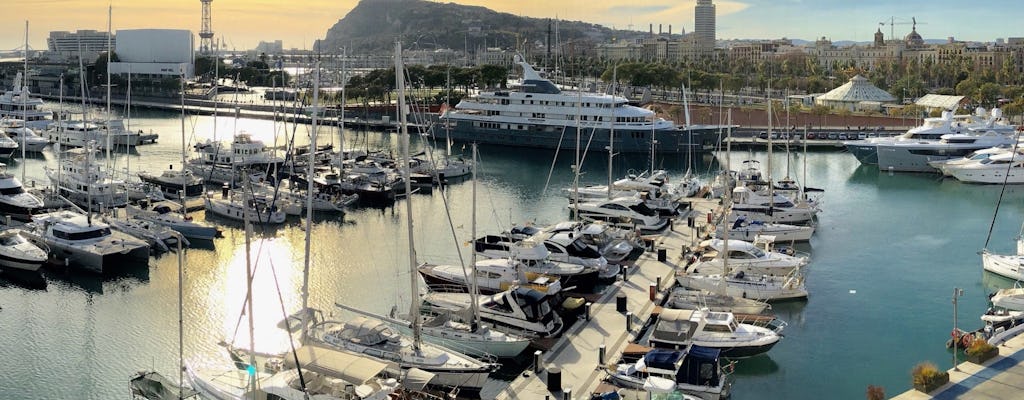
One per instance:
(811,135)
(842,136)
(763,135)
(862,136)
(833,136)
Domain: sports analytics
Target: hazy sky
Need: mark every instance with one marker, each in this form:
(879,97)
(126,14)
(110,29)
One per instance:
(243,23)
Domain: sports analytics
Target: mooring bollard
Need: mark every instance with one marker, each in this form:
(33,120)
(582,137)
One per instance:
(659,283)
(567,393)
(652,291)
(586,309)
(625,273)
(662,255)
(600,355)
(554,379)
(629,321)
(620,302)
(537,361)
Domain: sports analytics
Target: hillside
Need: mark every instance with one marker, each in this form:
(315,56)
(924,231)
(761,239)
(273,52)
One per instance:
(373,25)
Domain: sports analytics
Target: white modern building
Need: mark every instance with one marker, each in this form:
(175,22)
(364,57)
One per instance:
(154,52)
(88,42)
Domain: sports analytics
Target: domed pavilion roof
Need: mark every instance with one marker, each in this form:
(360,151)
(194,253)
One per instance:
(858,89)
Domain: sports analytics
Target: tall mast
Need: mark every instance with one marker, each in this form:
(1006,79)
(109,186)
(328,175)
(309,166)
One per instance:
(248,284)
(344,102)
(414,312)
(768,172)
(309,196)
(611,132)
(576,166)
(110,12)
(24,106)
(474,304)
(727,206)
(184,183)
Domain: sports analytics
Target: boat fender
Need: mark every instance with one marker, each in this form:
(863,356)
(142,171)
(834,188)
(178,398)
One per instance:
(966,340)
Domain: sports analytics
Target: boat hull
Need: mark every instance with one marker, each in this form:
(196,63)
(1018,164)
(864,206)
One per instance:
(671,141)
(866,153)
(1008,266)
(24,264)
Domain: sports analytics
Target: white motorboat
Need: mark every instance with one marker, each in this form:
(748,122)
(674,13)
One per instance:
(18,253)
(157,235)
(684,298)
(944,166)
(616,245)
(14,200)
(754,258)
(1009,298)
(295,197)
(624,212)
(695,370)
(521,311)
(456,331)
(542,254)
(24,136)
(163,214)
(492,276)
(677,329)
(85,243)
(1006,167)
(173,182)
(744,228)
(776,208)
(375,338)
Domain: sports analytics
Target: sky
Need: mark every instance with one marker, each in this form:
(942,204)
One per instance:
(243,23)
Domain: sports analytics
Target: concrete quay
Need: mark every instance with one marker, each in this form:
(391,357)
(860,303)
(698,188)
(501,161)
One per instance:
(575,356)
(1001,377)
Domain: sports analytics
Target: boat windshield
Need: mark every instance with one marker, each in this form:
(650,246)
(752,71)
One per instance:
(11,240)
(643,210)
(579,249)
(84,235)
(12,191)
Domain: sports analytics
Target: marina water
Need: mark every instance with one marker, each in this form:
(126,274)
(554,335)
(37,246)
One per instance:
(888,251)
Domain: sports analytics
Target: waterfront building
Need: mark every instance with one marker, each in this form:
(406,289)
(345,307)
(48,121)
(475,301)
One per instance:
(154,53)
(89,42)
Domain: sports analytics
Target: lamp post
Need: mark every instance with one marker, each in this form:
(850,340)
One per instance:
(957,293)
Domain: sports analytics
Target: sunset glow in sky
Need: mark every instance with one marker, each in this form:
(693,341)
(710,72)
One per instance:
(243,23)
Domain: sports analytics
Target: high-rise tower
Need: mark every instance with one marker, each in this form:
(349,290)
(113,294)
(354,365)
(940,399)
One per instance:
(206,33)
(704,24)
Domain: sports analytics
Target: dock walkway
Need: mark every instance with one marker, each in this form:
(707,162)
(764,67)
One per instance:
(576,353)
(1001,377)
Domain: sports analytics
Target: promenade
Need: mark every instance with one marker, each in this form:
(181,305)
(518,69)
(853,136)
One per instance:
(575,356)
(1001,377)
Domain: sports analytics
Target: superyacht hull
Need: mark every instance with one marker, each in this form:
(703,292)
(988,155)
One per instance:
(914,159)
(559,137)
(866,153)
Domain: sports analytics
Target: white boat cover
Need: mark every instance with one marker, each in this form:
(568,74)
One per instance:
(348,366)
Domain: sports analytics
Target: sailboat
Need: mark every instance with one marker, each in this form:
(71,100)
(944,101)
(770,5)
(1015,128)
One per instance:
(1007,265)
(371,335)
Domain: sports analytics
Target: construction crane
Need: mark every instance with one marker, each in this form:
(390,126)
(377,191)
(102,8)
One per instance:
(892,23)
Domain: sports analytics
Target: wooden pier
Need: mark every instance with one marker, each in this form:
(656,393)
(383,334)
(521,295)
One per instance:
(573,360)
(1001,377)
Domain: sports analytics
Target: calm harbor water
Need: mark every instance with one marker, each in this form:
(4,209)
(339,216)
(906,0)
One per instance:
(887,254)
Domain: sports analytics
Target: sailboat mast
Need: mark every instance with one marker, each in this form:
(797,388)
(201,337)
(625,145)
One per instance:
(576,166)
(727,207)
(309,197)
(24,105)
(474,304)
(768,172)
(414,311)
(184,183)
(611,132)
(248,285)
(110,13)
(344,102)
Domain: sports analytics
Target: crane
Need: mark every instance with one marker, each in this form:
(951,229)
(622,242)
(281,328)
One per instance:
(892,23)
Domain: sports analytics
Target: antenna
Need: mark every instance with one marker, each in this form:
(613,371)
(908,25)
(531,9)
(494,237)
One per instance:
(206,33)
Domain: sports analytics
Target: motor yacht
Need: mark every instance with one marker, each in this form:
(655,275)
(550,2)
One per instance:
(521,311)
(624,212)
(86,243)
(695,370)
(18,253)
(678,329)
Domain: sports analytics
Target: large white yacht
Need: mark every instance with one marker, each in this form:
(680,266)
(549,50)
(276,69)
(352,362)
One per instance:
(541,115)
(931,130)
(913,156)
(85,182)
(720,330)
(1006,167)
(86,243)
(19,103)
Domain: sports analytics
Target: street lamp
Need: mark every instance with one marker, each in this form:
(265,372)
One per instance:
(957,293)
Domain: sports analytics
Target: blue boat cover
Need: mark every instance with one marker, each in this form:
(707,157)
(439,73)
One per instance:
(663,358)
